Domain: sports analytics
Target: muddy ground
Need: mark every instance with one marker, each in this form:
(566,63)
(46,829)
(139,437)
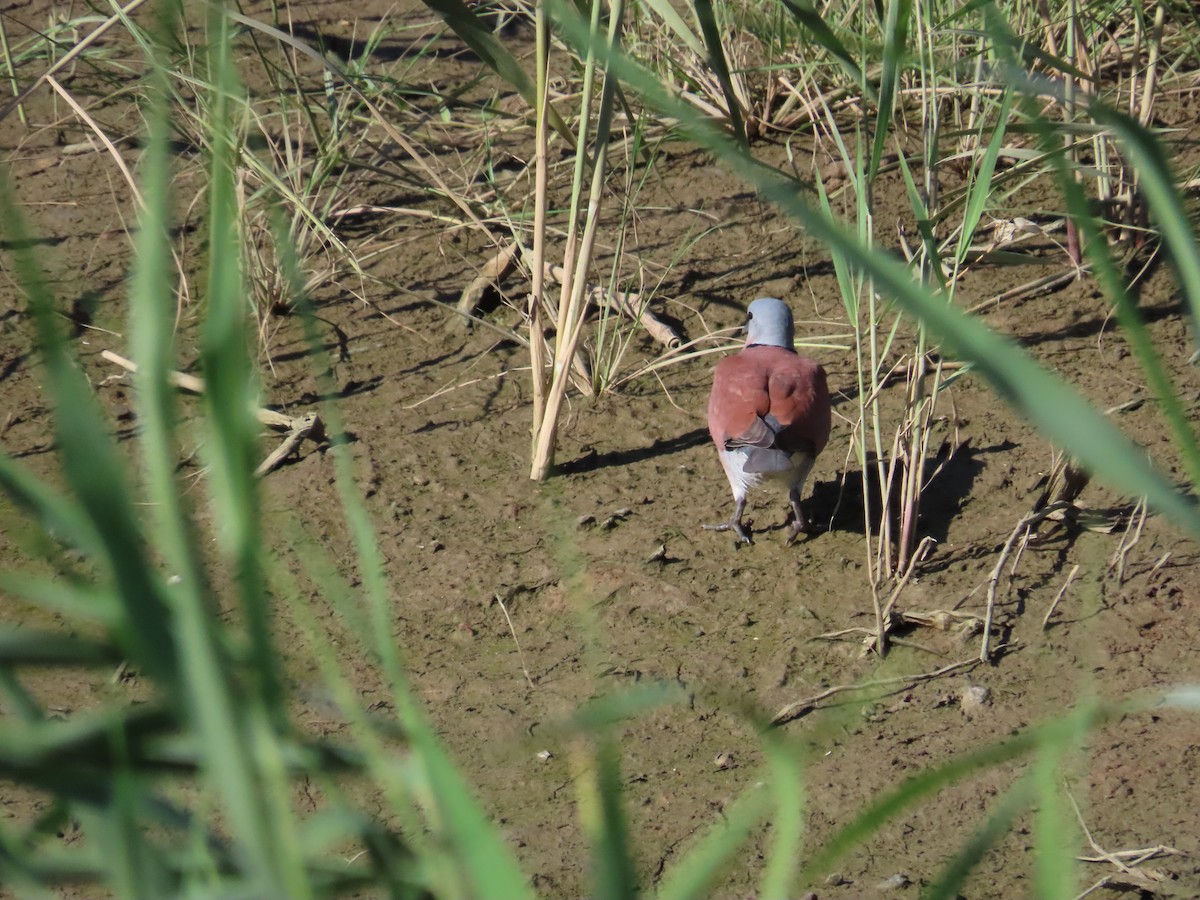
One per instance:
(604,570)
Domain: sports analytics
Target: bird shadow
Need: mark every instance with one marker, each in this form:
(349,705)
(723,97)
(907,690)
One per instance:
(840,504)
(593,461)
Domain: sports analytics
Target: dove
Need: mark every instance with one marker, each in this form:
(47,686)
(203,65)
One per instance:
(768,414)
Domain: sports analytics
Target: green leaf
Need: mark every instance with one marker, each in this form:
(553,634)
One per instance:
(1054,834)
(895,46)
(27,646)
(93,472)
(981,181)
(1181,241)
(613,877)
(720,65)
(675,23)
(950,881)
(693,874)
(458,16)
(787,824)
(811,20)
(886,807)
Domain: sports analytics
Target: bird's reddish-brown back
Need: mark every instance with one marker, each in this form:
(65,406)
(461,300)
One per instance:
(764,380)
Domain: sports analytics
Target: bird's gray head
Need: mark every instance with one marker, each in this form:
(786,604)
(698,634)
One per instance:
(769,321)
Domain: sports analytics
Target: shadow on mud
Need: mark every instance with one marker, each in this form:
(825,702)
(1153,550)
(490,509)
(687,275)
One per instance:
(838,505)
(664,447)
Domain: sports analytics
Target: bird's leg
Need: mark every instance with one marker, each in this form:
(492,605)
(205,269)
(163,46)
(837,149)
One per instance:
(735,522)
(799,523)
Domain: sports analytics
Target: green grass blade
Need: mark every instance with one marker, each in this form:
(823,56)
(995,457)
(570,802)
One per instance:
(924,222)
(486,865)
(81,744)
(230,392)
(93,472)
(56,516)
(950,881)
(21,703)
(79,601)
(720,65)
(474,848)
(811,21)
(1160,188)
(606,712)
(895,47)
(980,185)
(221,716)
(1054,875)
(29,647)
(22,875)
(458,16)
(691,877)
(135,869)
(1184,697)
(675,23)
(1096,248)
(924,784)
(613,877)
(787,823)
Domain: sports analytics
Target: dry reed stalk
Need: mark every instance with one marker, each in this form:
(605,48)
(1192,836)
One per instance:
(626,303)
(67,58)
(1058,597)
(537,301)
(494,271)
(798,708)
(308,427)
(1019,533)
(194,385)
(1129,540)
(577,256)
(121,165)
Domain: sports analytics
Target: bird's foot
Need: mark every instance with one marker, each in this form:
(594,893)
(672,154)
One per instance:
(799,527)
(742,530)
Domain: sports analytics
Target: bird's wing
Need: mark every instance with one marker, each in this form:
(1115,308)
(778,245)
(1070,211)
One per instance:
(799,403)
(769,398)
(759,434)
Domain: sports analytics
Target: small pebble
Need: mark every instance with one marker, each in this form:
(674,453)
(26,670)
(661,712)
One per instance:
(899,880)
(545,755)
(974,697)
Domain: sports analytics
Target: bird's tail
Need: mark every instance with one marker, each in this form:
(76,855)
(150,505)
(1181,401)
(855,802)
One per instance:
(765,461)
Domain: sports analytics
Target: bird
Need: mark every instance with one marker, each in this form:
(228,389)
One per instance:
(768,414)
